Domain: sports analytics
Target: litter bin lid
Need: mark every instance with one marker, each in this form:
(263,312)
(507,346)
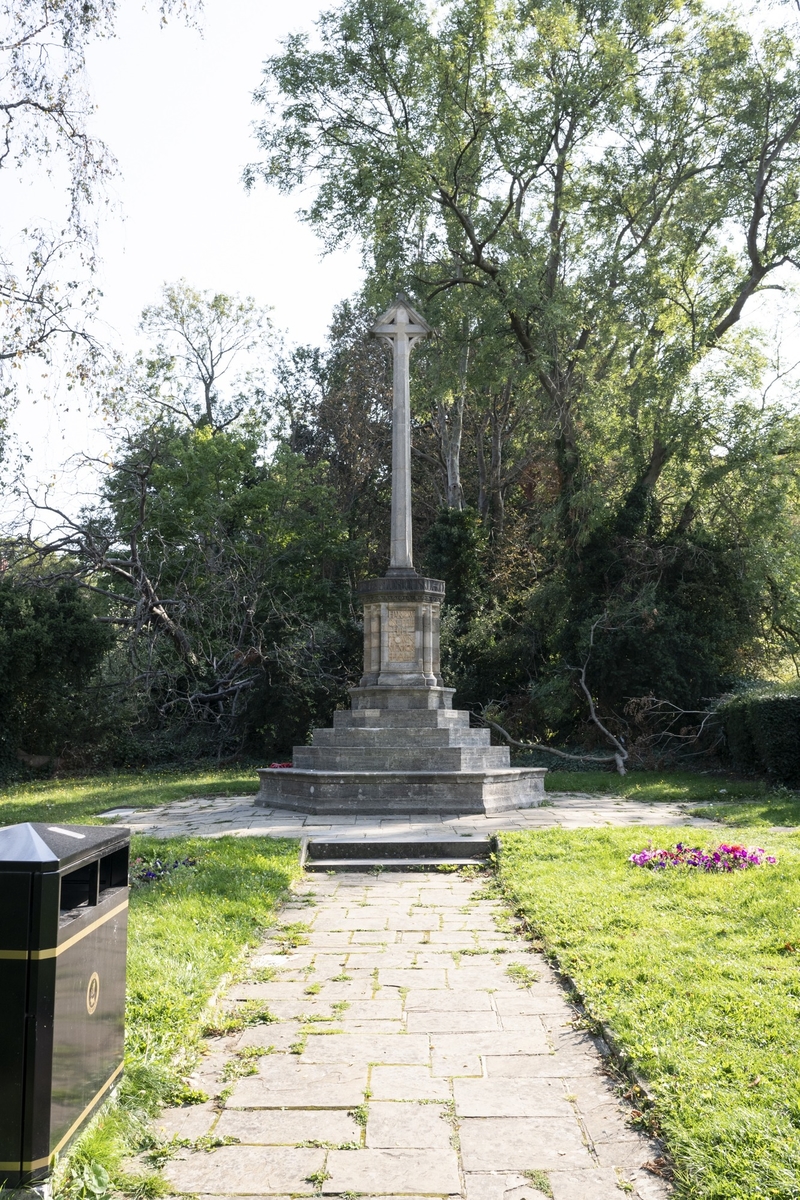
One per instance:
(39,847)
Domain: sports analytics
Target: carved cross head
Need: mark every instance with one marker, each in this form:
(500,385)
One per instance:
(400,321)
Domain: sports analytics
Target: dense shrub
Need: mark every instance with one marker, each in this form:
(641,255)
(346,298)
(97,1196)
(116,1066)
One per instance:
(762,733)
(50,647)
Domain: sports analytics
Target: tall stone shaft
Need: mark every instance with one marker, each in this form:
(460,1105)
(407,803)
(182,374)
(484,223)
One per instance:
(401,328)
(401,609)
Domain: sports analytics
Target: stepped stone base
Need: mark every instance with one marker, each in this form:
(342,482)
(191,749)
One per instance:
(403,751)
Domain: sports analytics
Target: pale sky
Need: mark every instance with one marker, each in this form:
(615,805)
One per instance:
(175,109)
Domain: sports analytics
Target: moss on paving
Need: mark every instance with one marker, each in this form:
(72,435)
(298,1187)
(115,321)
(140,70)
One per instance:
(698,976)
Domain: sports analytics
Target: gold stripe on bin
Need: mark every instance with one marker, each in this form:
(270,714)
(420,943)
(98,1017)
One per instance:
(54,951)
(43,1162)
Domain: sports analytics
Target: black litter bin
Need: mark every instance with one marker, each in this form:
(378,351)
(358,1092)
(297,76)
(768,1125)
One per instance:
(63,936)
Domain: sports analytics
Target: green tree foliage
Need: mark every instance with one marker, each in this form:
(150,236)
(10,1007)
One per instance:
(195,340)
(221,557)
(585,198)
(229,580)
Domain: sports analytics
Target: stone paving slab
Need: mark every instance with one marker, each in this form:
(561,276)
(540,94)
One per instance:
(237,815)
(522,1144)
(287,1126)
(376,1172)
(393,1125)
(247,1170)
(404,1080)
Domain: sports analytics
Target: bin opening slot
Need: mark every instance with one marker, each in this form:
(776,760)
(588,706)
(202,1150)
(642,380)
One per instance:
(114,869)
(79,888)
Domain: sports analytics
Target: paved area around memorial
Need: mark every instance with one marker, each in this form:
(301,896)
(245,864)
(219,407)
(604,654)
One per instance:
(216,816)
(419,1048)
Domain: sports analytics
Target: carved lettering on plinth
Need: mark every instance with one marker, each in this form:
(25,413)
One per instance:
(401,626)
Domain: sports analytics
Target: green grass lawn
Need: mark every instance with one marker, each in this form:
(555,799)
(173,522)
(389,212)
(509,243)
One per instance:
(780,807)
(698,976)
(186,932)
(80,799)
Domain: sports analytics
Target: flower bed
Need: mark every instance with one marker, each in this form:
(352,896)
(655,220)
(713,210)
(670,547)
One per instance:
(148,871)
(724,857)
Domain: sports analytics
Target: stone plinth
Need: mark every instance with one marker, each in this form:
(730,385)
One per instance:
(401,631)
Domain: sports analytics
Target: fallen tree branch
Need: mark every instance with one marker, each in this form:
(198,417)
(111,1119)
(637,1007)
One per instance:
(617,758)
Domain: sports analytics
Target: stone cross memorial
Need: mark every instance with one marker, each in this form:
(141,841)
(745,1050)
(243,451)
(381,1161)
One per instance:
(402,747)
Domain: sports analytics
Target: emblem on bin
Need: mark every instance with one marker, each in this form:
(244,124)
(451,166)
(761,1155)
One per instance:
(93,993)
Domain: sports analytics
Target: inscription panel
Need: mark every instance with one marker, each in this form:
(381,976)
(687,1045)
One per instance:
(401,625)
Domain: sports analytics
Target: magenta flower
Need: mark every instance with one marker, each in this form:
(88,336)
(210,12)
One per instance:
(723,858)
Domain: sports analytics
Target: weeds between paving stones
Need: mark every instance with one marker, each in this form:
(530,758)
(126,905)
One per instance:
(318,1178)
(316,1144)
(210,1141)
(184,1094)
(263,974)
(523,976)
(290,937)
(244,1062)
(247,1013)
(162,1152)
(341,978)
(360,1115)
(313,989)
(299,1046)
(541,1181)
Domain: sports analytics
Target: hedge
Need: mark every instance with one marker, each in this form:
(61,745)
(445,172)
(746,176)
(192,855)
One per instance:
(762,733)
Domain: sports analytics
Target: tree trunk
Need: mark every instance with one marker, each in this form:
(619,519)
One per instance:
(484,490)
(450,419)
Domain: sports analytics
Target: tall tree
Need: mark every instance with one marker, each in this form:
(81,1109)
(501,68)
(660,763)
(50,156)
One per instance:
(196,340)
(618,180)
(599,190)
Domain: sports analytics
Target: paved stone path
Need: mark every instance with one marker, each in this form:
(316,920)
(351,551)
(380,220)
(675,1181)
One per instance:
(408,1058)
(214,816)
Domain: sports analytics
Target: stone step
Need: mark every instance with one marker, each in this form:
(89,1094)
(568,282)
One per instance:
(392,718)
(395,854)
(400,758)
(403,738)
(392,793)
